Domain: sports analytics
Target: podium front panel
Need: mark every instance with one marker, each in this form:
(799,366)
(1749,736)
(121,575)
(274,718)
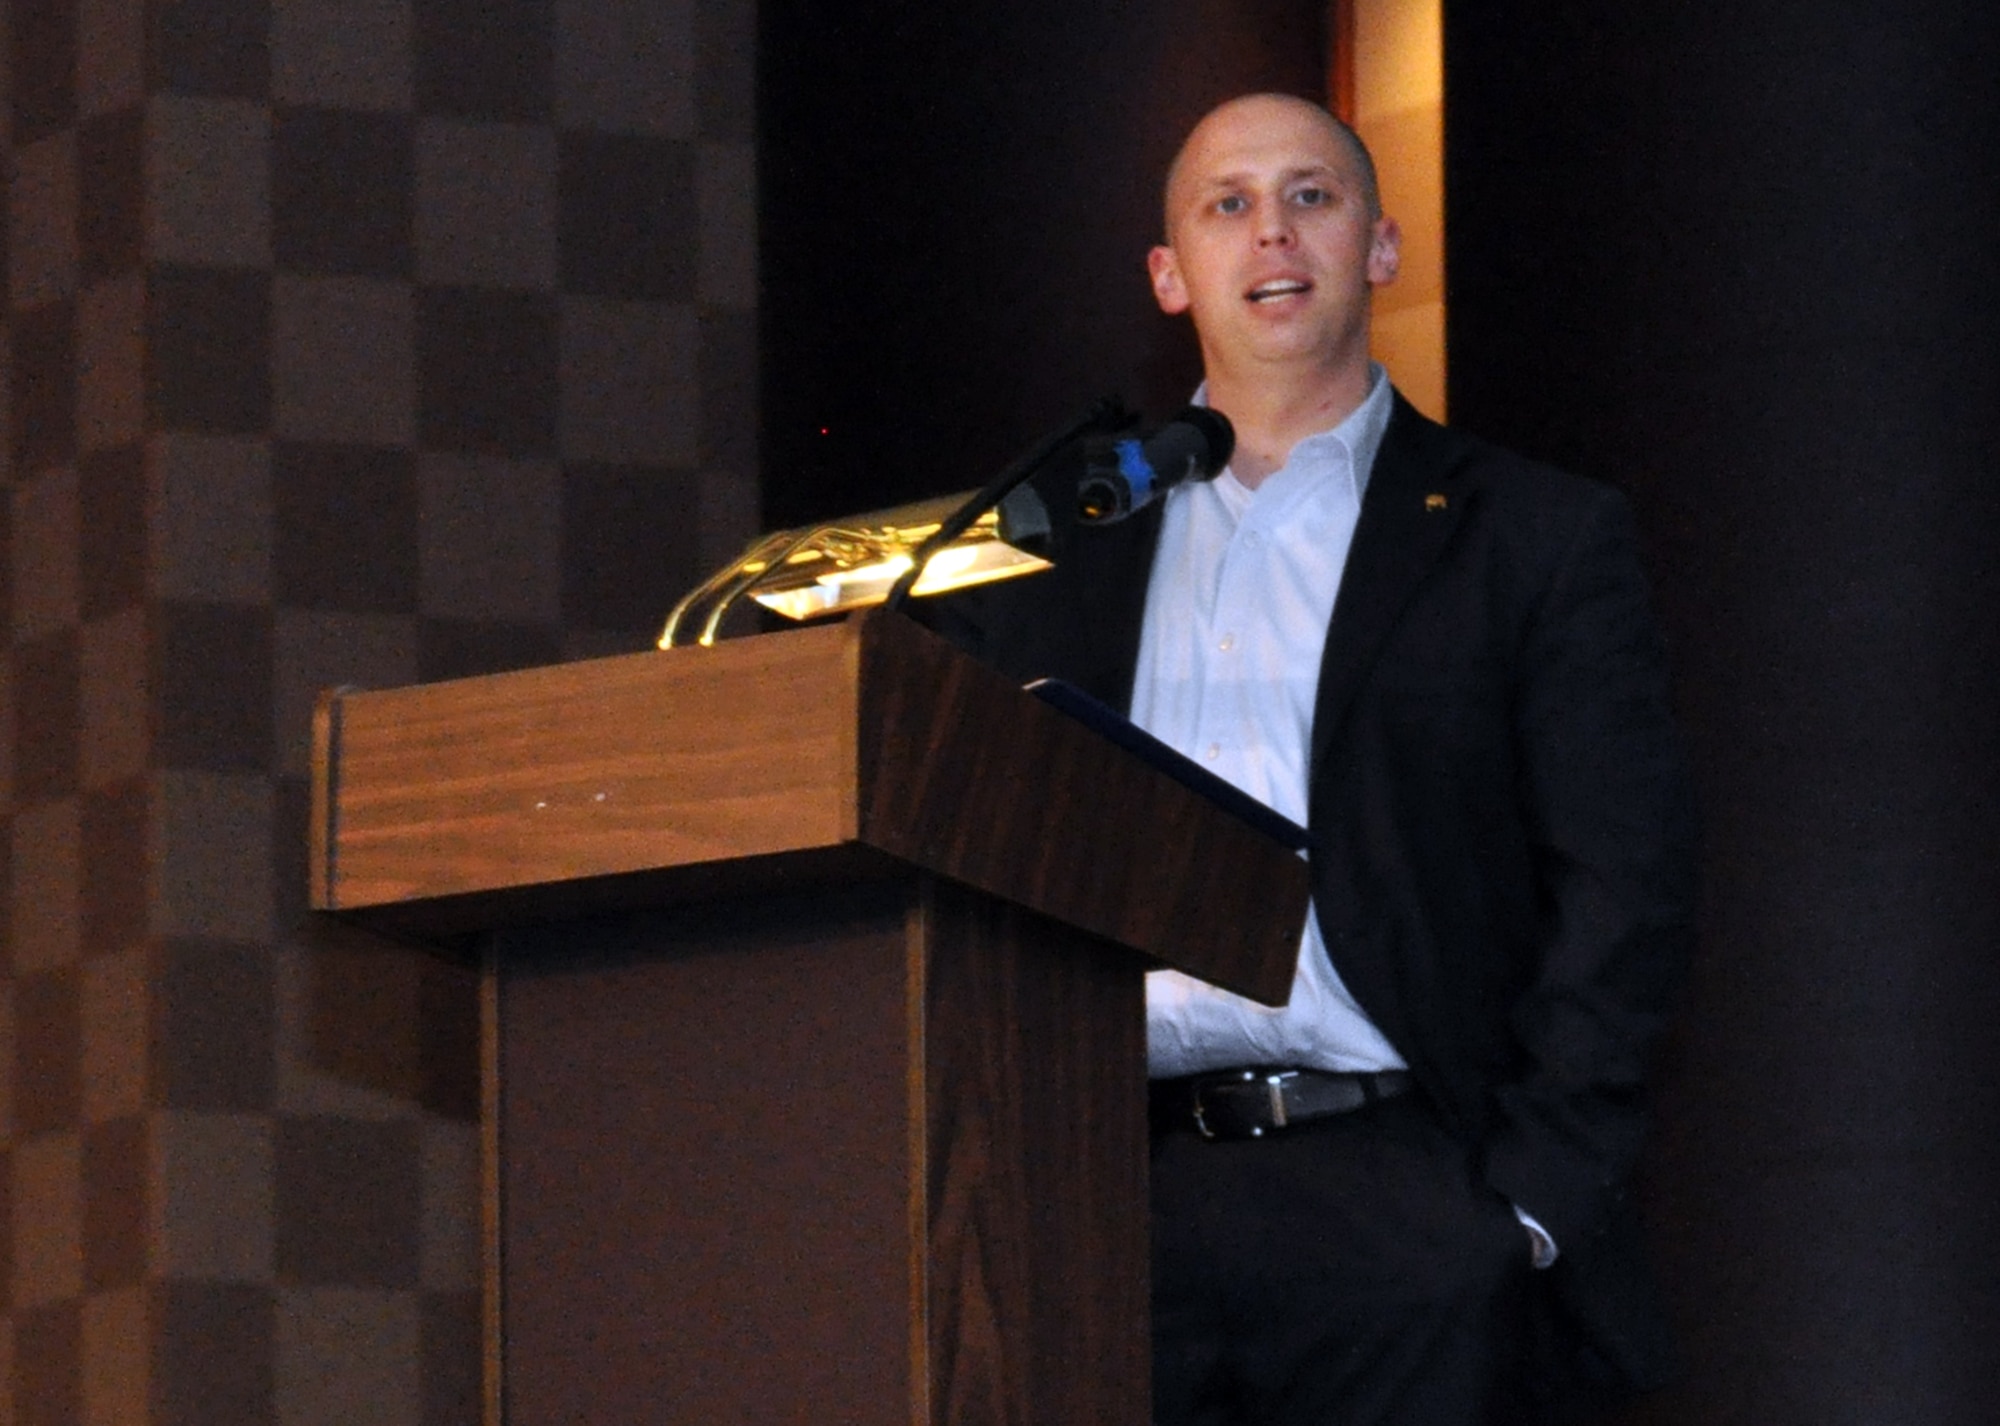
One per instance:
(870,1156)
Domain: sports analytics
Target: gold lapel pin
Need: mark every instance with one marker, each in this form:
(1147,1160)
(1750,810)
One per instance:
(1435,501)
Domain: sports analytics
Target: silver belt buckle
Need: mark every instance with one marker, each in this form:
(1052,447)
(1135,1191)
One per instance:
(1274,1088)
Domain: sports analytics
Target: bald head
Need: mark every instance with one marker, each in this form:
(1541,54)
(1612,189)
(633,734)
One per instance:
(1249,108)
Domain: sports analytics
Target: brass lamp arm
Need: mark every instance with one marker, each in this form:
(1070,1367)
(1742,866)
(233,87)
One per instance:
(757,554)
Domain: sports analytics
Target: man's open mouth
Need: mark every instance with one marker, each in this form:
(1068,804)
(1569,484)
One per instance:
(1278,287)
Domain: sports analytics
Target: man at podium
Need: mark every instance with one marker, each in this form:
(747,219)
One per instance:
(1402,1197)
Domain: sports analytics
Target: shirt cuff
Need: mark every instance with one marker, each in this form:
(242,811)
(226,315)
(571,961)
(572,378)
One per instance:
(1545,1247)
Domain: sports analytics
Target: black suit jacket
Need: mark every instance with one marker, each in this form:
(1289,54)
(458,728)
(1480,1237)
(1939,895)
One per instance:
(1502,832)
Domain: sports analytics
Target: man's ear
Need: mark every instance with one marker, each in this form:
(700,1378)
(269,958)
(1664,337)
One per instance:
(1168,289)
(1385,252)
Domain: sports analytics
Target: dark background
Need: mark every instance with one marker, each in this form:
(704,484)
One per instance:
(955,206)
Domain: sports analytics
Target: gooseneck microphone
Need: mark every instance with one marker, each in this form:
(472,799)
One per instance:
(1125,475)
(1106,414)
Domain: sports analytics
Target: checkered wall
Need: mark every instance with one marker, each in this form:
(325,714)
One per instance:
(345,341)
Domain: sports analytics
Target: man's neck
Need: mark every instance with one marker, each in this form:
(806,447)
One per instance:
(1273,410)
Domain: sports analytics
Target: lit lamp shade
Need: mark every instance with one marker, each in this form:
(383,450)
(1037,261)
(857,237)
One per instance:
(853,562)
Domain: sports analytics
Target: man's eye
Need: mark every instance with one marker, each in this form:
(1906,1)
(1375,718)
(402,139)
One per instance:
(1312,197)
(1234,203)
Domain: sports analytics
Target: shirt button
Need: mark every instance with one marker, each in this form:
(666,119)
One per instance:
(1214,751)
(1228,643)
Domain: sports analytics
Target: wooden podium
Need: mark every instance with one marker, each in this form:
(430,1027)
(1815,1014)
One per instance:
(815,1054)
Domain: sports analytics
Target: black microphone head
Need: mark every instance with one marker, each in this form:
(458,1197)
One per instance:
(1127,474)
(1214,443)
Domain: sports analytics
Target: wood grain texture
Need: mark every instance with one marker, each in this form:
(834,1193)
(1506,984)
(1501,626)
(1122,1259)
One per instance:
(821,753)
(595,769)
(965,775)
(1034,1061)
(877,1157)
(705,1170)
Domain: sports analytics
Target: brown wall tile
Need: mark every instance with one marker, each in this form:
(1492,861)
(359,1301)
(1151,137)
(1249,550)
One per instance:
(6,1237)
(42,55)
(117,1002)
(48,1051)
(362,1010)
(115,697)
(42,237)
(626,66)
(319,649)
(212,855)
(341,195)
(349,1194)
(356,55)
(209,344)
(212,1199)
(218,47)
(213,676)
(48,1366)
(453,1244)
(486,204)
(726,194)
(47,745)
(215,1015)
(45,921)
(627,216)
(488,541)
(115,841)
(44,386)
(486,59)
(348,1355)
(44,565)
(450,648)
(212,520)
(111,521)
(6,563)
(116,1164)
(214,1354)
(48,1220)
(346,527)
(615,519)
(111,361)
(725,49)
(728,370)
(111,159)
(343,360)
(111,55)
(629,372)
(117,1345)
(487,371)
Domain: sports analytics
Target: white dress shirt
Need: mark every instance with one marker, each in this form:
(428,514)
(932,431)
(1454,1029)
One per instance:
(1242,591)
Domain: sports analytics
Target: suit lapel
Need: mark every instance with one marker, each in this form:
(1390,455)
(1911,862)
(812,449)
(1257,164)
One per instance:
(1413,504)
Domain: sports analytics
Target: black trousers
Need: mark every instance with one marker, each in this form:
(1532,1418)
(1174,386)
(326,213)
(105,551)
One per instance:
(1353,1271)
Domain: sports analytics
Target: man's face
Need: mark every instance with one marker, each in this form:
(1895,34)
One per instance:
(1271,244)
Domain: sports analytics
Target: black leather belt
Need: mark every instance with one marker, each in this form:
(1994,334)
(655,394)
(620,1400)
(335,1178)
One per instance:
(1249,1103)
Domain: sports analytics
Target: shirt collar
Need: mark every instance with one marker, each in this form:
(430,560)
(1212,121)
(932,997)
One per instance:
(1360,432)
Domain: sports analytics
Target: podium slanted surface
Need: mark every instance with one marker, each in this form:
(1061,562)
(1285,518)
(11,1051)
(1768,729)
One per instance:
(815,1045)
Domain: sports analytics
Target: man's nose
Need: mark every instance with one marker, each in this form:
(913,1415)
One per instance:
(1274,230)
